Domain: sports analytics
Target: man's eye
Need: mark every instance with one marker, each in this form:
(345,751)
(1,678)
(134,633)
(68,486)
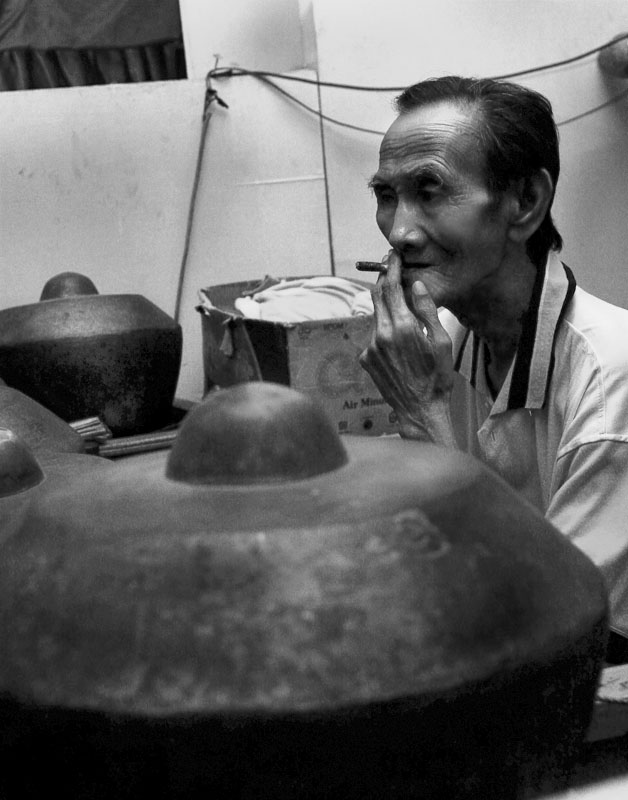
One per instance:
(428,191)
(384,195)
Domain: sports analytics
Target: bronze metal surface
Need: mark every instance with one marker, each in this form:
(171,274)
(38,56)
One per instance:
(37,426)
(400,624)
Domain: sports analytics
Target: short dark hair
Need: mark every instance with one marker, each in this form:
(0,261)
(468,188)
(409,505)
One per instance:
(516,129)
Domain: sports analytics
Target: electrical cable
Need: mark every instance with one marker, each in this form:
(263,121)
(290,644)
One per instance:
(264,76)
(228,72)
(562,63)
(316,111)
(211,96)
(608,102)
(349,125)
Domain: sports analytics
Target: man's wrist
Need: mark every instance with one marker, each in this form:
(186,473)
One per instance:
(437,429)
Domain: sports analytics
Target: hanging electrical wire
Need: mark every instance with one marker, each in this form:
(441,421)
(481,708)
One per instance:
(590,111)
(315,110)
(228,72)
(564,62)
(265,77)
(211,97)
(349,125)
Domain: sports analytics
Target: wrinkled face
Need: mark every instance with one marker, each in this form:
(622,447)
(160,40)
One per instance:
(434,207)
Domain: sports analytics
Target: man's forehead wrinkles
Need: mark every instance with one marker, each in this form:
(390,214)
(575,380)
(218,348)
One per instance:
(418,161)
(407,126)
(440,147)
(413,141)
(435,136)
(412,172)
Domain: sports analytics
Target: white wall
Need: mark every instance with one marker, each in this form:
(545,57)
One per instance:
(98,179)
(255,34)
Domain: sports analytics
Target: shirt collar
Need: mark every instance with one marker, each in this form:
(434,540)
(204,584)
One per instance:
(528,378)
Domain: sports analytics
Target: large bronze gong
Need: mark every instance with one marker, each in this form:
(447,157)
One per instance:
(269,611)
(83,354)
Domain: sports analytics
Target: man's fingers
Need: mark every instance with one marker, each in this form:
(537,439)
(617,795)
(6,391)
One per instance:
(388,299)
(393,264)
(389,287)
(424,307)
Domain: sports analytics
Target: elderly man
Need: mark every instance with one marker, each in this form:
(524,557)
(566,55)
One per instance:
(519,367)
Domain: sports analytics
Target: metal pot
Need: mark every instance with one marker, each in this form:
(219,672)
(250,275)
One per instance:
(271,611)
(81,355)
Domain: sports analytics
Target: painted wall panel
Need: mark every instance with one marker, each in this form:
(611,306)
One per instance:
(252,34)
(96,180)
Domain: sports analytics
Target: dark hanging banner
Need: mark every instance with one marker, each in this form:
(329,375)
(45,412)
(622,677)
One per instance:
(53,43)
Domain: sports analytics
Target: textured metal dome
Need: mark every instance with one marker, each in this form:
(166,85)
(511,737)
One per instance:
(396,609)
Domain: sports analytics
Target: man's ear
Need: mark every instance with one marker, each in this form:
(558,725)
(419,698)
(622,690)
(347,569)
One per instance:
(531,199)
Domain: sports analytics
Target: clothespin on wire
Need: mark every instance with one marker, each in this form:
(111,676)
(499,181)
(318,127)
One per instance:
(211,95)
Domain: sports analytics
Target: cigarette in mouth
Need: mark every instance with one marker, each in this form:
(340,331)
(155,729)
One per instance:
(370,266)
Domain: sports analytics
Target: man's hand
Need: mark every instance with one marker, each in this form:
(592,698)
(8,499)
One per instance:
(409,358)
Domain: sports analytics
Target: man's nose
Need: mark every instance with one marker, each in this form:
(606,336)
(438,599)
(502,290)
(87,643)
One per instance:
(406,230)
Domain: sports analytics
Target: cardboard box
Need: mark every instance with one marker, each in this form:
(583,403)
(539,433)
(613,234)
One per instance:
(318,358)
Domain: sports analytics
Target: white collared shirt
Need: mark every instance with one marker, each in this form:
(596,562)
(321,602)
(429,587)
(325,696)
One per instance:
(558,429)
